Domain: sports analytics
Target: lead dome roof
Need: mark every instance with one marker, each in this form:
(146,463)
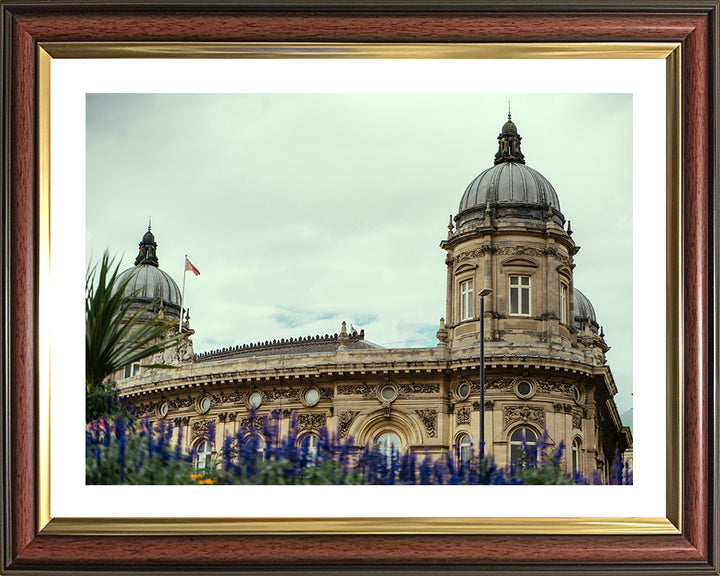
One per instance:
(147,284)
(583,312)
(509,189)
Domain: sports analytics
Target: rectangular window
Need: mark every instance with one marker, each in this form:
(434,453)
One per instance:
(132,369)
(520,295)
(563,304)
(466,300)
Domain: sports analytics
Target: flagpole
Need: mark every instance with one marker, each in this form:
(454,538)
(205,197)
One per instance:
(182,296)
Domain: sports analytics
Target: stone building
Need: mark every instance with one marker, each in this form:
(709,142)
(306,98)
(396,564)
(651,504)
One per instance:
(545,366)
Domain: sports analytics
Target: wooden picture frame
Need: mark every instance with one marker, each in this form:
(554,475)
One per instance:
(28,547)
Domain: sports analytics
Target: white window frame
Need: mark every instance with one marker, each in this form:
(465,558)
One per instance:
(131,370)
(575,456)
(517,443)
(387,446)
(203,458)
(520,287)
(564,304)
(467,300)
(464,448)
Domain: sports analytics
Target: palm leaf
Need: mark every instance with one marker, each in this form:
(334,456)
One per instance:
(115,335)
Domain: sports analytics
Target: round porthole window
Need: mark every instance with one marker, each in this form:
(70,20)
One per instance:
(255,399)
(387,393)
(204,404)
(163,409)
(463,391)
(577,396)
(312,396)
(524,389)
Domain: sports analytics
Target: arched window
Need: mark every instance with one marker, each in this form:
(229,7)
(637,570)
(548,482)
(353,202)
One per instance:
(204,455)
(256,443)
(389,444)
(523,447)
(309,445)
(464,448)
(575,455)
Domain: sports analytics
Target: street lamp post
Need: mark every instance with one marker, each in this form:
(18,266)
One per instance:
(484,292)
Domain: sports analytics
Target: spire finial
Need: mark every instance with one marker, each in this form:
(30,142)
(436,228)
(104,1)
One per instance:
(148,250)
(509,143)
(149,223)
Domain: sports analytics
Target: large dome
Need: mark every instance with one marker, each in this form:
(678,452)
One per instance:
(584,312)
(509,189)
(148,284)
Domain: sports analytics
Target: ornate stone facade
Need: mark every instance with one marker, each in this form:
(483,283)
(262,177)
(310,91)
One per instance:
(545,367)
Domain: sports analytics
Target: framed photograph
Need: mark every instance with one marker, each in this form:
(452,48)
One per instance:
(638,81)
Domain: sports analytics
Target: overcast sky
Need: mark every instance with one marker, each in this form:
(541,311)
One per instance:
(301,211)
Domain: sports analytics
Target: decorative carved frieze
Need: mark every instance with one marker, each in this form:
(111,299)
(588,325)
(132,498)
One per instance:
(415,388)
(280,394)
(326,393)
(224,398)
(429,419)
(463,416)
(522,413)
(177,403)
(314,421)
(513,251)
(495,384)
(548,387)
(347,417)
(365,390)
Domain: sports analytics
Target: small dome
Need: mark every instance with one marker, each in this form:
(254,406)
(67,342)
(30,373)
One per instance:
(512,190)
(584,312)
(509,128)
(147,284)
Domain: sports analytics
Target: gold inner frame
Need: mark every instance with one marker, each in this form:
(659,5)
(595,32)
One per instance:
(671,524)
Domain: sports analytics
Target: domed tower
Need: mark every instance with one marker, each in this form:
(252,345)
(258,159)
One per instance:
(510,236)
(147,284)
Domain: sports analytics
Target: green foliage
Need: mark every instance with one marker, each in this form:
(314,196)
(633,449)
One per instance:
(119,455)
(545,472)
(115,337)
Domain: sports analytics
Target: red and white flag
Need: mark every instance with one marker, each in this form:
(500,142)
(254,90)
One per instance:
(189,266)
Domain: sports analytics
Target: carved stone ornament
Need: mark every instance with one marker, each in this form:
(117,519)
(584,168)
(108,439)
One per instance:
(176,403)
(364,390)
(495,384)
(201,428)
(223,398)
(562,407)
(463,416)
(429,419)
(548,387)
(347,417)
(577,420)
(489,404)
(280,394)
(314,421)
(257,423)
(415,388)
(522,413)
